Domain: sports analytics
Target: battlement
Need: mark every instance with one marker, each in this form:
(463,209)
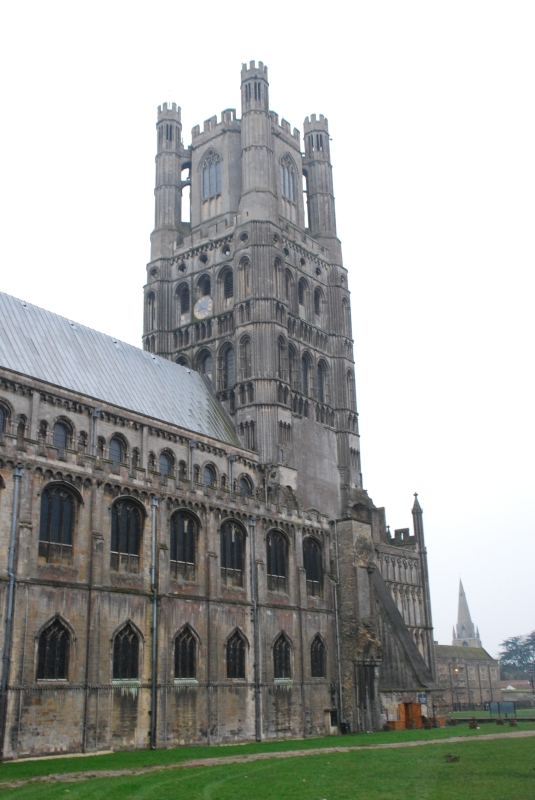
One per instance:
(284,126)
(227,116)
(252,71)
(314,124)
(169,111)
(402,536)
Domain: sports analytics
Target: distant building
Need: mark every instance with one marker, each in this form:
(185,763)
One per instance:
(466,672)
(467,635)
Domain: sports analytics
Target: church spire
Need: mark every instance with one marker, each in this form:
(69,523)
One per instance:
(465,634)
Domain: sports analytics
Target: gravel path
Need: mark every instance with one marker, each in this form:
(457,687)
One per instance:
(72,777)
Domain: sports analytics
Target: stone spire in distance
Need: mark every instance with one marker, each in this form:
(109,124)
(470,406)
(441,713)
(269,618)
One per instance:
(466,634)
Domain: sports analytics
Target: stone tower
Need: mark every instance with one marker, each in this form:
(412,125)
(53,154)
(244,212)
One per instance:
(252,291)
(466,634)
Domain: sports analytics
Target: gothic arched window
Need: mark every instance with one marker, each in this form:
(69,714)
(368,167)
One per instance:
(245,358)
(228,284)
(165,464)
(281,658)
(281,357)
(211,175)
(204,286)
(301,290)
(151,311)
(351,390)
(321,381)
(288,285)
(288,178)
(277,557)
(292,366)
(53,652)
(182,555)
(317,301)
(317,658)
(347,316)
(56,525)
(232,553)
(305,370)
(183,298)
(126,654)
(244,486)
(61,437)
(182,361)
(3,420)
(204,363)
(236,656)
(208,476)
(185,654)
(126,523)
(228,372)
(116,453)
(312,564)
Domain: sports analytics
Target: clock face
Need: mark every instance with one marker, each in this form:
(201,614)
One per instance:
(203,307)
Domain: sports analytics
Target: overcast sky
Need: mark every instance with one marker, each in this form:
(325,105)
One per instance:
(431,113)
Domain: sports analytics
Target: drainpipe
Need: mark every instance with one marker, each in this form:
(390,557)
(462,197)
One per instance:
(95,415)
(154,698)
(337,632)
(258,736)
(17,475)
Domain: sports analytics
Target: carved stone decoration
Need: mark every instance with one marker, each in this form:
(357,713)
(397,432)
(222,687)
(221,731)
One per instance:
(368,641)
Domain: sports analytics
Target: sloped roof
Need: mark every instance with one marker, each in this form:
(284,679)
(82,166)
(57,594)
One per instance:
(62,353)
(464,653)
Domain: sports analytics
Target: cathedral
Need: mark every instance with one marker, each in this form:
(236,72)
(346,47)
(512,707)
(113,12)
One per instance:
(188,553)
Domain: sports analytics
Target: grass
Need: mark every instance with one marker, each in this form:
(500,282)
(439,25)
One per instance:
(501,768)
(134,759)
(520,713)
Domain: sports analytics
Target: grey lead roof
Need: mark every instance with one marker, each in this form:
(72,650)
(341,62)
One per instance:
(51,348)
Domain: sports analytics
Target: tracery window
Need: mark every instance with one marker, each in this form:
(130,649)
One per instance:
(185,655)
(56,525)
(236,656)
(317,658)
(53,652)
(182,554)
(116,452)
(126,525)
(126,654)
(232,553)
(211,175)
(288,178)
(60,437)
(313,567)
(211,185)
(281,657)
(277,557)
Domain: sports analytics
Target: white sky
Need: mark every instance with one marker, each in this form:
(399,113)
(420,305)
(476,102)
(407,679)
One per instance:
(431,112)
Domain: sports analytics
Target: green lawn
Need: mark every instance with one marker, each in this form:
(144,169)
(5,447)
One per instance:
(520,712)
(486,769)
(132,759)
